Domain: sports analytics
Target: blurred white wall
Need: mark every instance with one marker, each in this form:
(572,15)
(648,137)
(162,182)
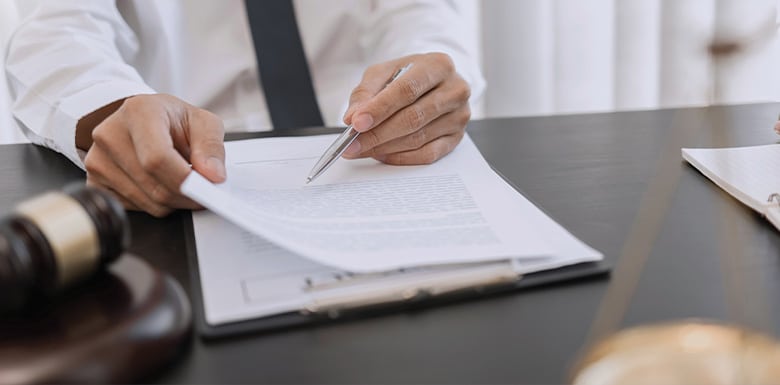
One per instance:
(567,56)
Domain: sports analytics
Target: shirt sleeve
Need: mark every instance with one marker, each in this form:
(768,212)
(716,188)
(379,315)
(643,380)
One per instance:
(66,60)
(404,27)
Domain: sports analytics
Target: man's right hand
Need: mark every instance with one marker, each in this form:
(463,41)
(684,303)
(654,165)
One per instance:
(143,151)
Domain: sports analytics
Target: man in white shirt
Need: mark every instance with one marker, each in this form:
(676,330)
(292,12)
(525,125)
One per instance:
(135,91)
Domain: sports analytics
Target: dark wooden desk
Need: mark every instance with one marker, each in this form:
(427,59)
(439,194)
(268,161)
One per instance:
(680,246)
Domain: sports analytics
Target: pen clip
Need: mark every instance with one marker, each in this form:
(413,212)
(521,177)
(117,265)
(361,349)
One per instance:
(467,280)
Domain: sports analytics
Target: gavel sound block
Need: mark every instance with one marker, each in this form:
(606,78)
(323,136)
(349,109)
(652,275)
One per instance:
(120,326)
(73,307)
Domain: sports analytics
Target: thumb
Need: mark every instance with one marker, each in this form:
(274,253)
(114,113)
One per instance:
(207,155)
(373,81)
(358,98)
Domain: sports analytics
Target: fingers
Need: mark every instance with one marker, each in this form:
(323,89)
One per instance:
(155,152)
(450,124)
(427,72)
(450,96)
(427,154)
(374,80)
(102,171)
(126,203)
(207,143)
(426,103)
(777,127)
(113,145)
(139,152)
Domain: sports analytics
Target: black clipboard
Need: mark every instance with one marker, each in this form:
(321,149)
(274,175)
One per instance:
(566,274)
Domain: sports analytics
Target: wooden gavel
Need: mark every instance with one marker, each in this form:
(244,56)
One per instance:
(55,240)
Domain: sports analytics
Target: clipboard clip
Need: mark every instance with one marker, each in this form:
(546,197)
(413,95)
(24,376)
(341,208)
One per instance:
(772,211)
(465,281)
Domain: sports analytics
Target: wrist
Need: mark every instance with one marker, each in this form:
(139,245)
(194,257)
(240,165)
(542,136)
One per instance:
(87,124)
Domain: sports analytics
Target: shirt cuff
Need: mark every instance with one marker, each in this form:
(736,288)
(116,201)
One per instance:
(86,101)
(54,125)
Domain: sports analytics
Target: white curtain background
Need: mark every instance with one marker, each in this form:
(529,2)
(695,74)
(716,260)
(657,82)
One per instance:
(567,56)
(544,57)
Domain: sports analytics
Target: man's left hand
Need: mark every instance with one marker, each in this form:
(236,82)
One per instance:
(416,119)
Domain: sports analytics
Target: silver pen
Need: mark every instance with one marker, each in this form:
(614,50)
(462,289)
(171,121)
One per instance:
(343,141)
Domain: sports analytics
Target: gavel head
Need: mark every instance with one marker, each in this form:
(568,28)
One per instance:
(56,239)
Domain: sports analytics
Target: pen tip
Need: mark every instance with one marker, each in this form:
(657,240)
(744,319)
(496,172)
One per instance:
(308,179)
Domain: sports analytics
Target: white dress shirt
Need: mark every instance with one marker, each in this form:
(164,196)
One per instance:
(71,57)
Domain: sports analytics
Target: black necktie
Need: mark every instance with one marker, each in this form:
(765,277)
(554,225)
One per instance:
(284,72)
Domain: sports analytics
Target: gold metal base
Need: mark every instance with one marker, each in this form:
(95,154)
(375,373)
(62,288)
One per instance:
(687,352)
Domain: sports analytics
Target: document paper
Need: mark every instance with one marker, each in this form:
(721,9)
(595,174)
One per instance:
(748,173)
(362,224)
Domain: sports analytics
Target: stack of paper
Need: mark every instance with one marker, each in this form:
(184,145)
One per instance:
(747,173)
(361,226)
